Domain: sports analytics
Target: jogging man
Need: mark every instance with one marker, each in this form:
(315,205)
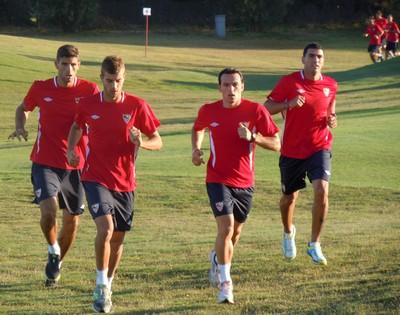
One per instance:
(306,100)
(393,32)
(235,127)
(56,184)
(115,121)
(375,33)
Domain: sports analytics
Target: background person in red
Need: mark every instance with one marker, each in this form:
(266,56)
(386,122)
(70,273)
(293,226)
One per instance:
(393,32)
(235,127)
(374,32)
(306,99)
(56,183)
(115,122)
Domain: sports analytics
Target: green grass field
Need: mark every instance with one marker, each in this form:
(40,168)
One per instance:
(164,268)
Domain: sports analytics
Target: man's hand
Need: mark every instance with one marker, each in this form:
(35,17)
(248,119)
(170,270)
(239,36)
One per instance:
(332,121)
(244,132)
(297,101)
(73,158)
(197,157)
(18,133)
(135,136)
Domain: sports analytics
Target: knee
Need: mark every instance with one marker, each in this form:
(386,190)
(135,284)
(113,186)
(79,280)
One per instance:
(289,199)
(226,232)
(321,191)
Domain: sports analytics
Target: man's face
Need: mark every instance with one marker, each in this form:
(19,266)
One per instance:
(67,70)
(113,84)
(231,88)
(313,60)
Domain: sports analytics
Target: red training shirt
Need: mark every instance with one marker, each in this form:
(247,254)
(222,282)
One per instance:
(393,32)
(306,130)
(57,108)
(374,32)
(231,159)
(111,154)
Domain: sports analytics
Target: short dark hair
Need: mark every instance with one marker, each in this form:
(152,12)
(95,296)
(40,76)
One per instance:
(230,71)
(313,45)
(68,51)
(112,65)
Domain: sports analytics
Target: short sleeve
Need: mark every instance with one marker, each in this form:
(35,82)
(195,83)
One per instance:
(201,121)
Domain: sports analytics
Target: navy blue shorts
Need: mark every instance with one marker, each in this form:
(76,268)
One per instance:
(391,46)
(373,48)
(294,171)
(230,200)
(64,184)
(103,201)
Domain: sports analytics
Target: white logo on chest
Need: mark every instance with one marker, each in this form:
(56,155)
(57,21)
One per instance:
(326,91)
(126,118)
(48,99)
(301,91)
(214,124)
(94,117)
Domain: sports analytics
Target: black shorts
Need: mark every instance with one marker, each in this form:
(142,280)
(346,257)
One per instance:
(391,46)
(294,171)
(373,48)
(50,182)
(229,200)
(103,201)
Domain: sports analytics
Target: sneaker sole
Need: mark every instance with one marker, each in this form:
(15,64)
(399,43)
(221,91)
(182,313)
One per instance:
(101,310)
(226,301)
(319,263)
(51,283)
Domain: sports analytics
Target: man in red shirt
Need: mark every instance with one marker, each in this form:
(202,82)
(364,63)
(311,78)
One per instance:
(306,99)
(115,121)
(56,184)
(375,33)
(393,32)
(235,127)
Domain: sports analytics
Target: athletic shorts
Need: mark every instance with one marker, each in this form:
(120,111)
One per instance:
(50,182)
(391,46)
(229,200)
(294,171)
(373,48)
(103,201)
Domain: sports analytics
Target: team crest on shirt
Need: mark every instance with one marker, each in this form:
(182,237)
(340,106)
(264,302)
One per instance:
(214,124)
(38,192)
(326,91)
(126,118)
(77,99)
(219,206)
(48,99)
(95,117)
(301,91)
(95,207)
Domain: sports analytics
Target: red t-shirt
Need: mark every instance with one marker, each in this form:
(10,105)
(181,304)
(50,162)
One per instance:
(231,159)
(306,130)
(381,22)
(57,108)
(111,154)
(374,32)
(393,31)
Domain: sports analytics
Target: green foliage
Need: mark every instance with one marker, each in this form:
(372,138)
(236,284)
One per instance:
(70,16)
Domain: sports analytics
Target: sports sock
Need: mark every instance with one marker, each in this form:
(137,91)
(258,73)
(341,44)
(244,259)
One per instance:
(110,280)
(225,272)
(54,249)
(101,277)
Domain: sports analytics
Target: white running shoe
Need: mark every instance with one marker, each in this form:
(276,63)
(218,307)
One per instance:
(213,273)
(315,252)
(225,294)
(289,244)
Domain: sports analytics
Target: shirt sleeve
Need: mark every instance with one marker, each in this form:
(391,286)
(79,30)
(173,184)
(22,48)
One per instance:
(265,124)
(80,115)
(147,120)
(30,99)
(201,121)
(279,93)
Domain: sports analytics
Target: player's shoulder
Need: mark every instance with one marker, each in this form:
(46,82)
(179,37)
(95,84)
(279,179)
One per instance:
(44,83)
(250,103)
(329,80)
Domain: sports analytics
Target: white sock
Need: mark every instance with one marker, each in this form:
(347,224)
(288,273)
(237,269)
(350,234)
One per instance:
(54,249)
(225,272)
(110,280)
(101,277)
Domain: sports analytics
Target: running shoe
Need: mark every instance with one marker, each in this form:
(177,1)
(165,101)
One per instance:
(315,252)
(289,244)
(102,299)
